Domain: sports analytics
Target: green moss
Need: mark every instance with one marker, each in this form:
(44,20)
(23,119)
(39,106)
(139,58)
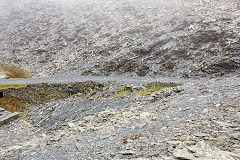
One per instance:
(107,88)
(93,86)
(86,98)
(100,87)
(112,84)
(87,90)
(123,92)
(149,90)
(44,95)
(14,86)
(50,112)
(153,89)
(23,112)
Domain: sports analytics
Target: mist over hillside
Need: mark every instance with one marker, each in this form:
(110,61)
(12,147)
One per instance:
(129,37)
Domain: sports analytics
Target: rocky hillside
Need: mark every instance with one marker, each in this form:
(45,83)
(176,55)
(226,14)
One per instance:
(198,120)
(137,37)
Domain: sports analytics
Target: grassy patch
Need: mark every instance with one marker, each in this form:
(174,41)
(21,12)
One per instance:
(148,91)
(12,104)
(13,86)
(13,71)
(123,92)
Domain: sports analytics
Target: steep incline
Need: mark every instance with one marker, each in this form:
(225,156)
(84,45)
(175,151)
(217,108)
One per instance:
(134,37)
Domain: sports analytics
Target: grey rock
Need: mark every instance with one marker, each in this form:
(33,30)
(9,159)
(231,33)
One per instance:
(15,148)
(183,154)
(79,147)
(236,136)
(57,137)
(128,152)
(6,117)
(201,135)
(175,143)
(190,142)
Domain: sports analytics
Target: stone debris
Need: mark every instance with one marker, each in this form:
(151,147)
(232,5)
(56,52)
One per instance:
(181,125)
(128,152)
(183,154)
(123,46)
(6,116)
(163,93)
(203,151)
(79,147)
(236,136)
(201,135)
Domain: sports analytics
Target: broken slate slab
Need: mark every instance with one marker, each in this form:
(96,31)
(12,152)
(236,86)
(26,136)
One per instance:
(6,116)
